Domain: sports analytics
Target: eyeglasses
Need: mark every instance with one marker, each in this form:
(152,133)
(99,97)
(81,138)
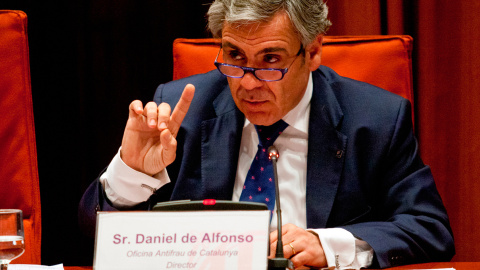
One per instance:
(262,74)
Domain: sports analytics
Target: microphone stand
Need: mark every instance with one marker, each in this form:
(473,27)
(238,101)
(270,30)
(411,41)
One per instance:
(279,262)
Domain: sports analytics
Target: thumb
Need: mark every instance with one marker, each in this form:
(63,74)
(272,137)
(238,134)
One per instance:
(135,108)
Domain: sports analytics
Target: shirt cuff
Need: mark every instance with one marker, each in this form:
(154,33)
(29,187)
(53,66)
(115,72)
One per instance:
(342,250)
(126,187)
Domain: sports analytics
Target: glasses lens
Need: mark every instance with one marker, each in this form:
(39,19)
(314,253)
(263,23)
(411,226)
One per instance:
(231,71)
(261,74)
(269,75)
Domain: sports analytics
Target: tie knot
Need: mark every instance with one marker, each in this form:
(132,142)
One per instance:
(268,134)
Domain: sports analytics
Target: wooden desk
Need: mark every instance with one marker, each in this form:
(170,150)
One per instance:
(456,265)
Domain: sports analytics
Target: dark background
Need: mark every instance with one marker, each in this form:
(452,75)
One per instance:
(90,58)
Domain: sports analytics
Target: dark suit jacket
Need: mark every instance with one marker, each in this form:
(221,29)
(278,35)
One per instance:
(364,172)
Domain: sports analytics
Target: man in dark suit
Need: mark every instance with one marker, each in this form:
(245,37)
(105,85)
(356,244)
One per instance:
(354,190)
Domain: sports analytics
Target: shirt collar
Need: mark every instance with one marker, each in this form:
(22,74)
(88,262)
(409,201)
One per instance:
(298,116)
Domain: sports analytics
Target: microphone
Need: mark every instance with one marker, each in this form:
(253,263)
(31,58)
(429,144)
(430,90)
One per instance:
(279,262)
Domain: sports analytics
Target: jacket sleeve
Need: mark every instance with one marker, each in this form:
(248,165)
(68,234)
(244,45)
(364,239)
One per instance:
(411,224)
(94,199)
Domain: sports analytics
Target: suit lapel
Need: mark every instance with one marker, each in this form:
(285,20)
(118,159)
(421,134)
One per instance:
(221,137)
(326,151)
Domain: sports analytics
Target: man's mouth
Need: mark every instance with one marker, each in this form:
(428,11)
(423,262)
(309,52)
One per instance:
(254,104)
(254,101)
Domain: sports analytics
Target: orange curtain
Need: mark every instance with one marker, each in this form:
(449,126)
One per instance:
(447,87)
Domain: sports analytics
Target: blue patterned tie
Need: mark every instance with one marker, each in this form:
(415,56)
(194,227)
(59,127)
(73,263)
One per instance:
(260,184)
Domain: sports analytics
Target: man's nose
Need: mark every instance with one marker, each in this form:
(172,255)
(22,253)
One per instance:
(250,82)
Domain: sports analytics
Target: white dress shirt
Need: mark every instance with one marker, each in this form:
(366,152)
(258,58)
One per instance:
(341,248)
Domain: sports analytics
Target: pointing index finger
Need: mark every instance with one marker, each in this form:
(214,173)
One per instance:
(181,109)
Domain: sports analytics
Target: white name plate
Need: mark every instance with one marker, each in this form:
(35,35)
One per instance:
(182,240)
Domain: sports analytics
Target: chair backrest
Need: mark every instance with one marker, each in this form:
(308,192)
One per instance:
(384,61)
(19,184)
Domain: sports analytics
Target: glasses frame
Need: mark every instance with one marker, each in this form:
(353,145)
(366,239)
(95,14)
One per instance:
(254,70)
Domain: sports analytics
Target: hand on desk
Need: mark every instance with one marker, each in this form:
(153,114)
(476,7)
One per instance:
(149,142)
(301,246)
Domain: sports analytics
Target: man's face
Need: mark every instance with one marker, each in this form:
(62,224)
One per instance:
(273,44)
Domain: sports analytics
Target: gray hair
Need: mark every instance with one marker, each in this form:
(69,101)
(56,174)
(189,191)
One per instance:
(309,17)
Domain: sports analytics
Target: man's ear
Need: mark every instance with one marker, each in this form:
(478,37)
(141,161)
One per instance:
(314,52)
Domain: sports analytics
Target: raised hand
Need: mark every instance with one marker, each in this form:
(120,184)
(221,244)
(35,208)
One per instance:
(149,141)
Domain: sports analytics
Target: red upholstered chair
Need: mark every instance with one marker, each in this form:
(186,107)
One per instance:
(19,187)
(384,61)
